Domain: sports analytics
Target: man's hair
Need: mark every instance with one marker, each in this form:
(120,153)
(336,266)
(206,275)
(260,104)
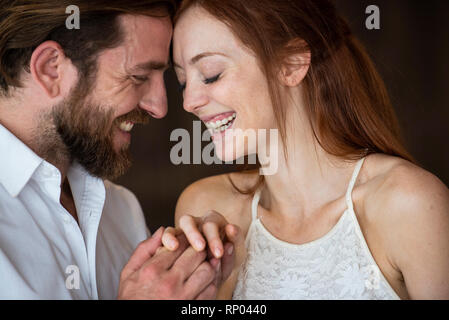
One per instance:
(25,24)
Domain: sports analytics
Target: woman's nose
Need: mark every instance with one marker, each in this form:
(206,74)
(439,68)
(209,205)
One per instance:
(194,98)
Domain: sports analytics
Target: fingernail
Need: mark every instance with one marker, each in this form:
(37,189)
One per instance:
(217,252)
(199,244)
(231,229)
(172,244)
(230,249)
(158,231)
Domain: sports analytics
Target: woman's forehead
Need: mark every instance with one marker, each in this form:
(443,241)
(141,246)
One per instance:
(198,32)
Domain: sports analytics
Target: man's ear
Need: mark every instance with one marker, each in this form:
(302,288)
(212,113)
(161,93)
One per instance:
(46,67)
(294,69)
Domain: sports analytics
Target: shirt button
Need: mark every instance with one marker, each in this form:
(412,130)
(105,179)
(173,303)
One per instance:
(66,219)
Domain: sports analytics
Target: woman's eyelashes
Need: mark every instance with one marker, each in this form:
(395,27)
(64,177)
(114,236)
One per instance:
(182,86)
(212,80)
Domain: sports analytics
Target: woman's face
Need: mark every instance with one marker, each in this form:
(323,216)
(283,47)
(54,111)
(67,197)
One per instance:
(222,83)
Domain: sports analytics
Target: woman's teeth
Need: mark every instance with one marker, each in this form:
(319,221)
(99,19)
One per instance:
(126,126)
(221,125)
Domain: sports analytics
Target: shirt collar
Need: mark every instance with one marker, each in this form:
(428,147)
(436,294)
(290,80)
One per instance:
(88,191)
(17,162)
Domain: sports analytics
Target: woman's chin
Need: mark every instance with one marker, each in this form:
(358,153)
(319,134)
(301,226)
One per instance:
(223,158)
(228,155)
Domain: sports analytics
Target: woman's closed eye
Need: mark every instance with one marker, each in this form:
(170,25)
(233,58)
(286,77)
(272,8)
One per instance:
(182,86)
(212,80)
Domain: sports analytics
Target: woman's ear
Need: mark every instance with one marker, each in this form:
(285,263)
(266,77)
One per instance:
(296,63)
(294,69)
(46,67)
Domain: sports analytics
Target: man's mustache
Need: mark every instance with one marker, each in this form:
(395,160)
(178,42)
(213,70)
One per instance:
(137,116)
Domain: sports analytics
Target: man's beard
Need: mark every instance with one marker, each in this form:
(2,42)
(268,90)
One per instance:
(79,130)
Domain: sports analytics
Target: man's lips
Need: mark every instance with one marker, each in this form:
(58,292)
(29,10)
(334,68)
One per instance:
(126,122)
(126,126)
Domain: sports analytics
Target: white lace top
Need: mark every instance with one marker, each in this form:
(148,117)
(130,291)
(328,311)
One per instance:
(339,265)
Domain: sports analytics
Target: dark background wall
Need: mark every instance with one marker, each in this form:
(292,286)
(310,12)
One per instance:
(410,51)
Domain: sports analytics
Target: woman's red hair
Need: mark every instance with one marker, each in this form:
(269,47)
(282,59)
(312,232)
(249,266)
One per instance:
(345,98)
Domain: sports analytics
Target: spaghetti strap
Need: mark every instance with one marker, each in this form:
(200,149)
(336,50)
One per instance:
(352,183)
(255,203)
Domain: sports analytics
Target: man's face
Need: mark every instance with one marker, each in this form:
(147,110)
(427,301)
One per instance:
(95,125)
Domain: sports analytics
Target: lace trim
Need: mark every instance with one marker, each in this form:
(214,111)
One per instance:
(337,268)
(280,242)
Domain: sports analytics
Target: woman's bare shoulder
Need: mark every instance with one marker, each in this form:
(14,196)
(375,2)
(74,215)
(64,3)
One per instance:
(408,209)
(395,183)
(218,193)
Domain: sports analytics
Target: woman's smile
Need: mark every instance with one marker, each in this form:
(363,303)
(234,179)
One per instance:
(218,124)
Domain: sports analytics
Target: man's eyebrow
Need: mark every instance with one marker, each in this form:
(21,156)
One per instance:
(151,65)
(200,56)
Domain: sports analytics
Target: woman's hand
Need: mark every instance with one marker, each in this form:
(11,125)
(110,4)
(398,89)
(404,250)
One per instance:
(211,229)
(221,237)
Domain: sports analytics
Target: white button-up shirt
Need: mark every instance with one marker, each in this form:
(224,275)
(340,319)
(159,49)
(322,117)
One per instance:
(44,253)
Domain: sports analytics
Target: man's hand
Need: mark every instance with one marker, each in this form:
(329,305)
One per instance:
(212,229)
(153,272)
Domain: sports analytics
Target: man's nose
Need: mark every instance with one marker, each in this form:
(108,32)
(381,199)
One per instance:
(154,100)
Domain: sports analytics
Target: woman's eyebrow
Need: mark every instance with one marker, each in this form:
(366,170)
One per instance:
(200,56)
